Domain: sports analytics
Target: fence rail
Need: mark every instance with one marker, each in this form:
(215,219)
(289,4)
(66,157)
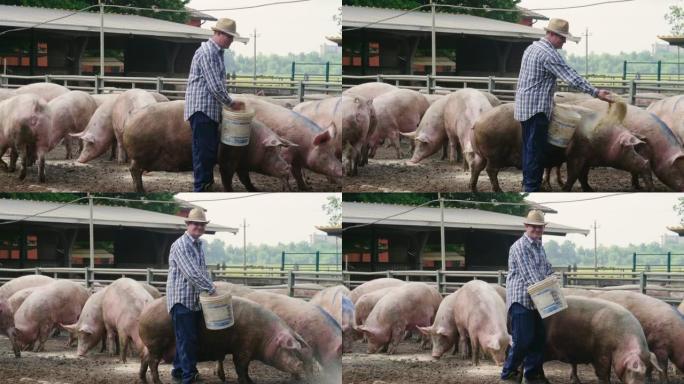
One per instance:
(291,280)
(667,286)
(504,87)
(174,88)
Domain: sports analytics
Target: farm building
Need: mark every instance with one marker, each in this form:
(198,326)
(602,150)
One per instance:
(376,41)
(475,239)
(124,237)
(149,47)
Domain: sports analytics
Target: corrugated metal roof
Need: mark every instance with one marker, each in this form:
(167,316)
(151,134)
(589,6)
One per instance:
(15,16)
(531,14)
(363,213)
(102,215)
(444,23)
(199,14)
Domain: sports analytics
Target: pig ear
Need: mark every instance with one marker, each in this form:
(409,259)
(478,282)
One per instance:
(86,329)
(422,139)
(441,331)
(288,342)
(287,143)
(322,137)
(272,142)
(71,328)
(427,331)
(654,362)
(410,135)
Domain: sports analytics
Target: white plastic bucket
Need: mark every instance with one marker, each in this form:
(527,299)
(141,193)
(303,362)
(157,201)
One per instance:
(564,122)
(217,310)
(547,297)
(236,127)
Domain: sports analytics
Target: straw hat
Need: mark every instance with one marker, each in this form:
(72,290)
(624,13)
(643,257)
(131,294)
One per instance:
(535,217)
(229,26)
(196,215)
(561,27)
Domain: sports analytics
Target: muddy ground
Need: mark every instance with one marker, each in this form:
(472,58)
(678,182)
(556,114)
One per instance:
(61,365)
(411,365)
(386,173)
(103,175)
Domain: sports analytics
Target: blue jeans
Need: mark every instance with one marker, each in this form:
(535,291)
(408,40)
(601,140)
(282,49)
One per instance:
(205,141)
(535,132)
(529,337)
(186,327)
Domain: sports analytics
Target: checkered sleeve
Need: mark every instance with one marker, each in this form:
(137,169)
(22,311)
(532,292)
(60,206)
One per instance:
(190,269)
(556,65)
(210,66)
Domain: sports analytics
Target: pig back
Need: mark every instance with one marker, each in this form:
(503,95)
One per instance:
(374,285)
(19,283)
(58,302)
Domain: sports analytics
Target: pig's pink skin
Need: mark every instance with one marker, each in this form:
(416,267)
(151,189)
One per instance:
(604,334)
(403,309)
(397,112)
(671,111)
(126,105)
(19,283)
(257,334)
(98,136)
(315,149)
(47,307)
(90,328)
(374,285)
(365,304)
(332,300)
(122,304)
(46,91)
(69,113)
(497,143)
(370,90)
(474,312)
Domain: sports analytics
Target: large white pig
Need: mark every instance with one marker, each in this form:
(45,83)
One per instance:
(124,107)
(397,112)
(69,113)
(47,91)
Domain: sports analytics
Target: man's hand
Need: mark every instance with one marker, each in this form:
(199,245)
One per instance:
(605,95)
(236,105)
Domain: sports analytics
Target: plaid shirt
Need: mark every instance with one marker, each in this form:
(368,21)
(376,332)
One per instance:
(187,273)
(207,82)
(541,65)
(527,264)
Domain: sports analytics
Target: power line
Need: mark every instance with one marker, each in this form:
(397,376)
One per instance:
(46,211)
(48,21)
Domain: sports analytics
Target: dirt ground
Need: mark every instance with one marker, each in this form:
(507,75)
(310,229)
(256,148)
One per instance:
(411,365)
(103,175)
(61,365)
(386,173)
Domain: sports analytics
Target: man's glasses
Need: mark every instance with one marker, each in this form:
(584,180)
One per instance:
(197,224)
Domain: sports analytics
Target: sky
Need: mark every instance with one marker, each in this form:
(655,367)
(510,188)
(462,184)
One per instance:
(622,219)
(281,29)
(627,26)
(271,218)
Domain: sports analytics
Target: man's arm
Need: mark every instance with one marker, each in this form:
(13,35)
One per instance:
(210,67)
(529,274)
(557,65)
(190,269)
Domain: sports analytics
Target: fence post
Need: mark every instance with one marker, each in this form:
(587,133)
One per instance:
(160,85)
(150,276)
(97,85)
(430,84)
(669,261)
(88,276)
(318,260)
(490,85)
(37,271)
(624,70)
(292,77)
(642,282)
(327,71)
(634,262)
(47,78)
(282,261)
(499,278)
(632,91)
(660,67)
(290,284)
(564,279)
(389,274)
(438,278)
(300,91)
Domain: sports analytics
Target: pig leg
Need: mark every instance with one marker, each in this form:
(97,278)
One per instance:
(220,372)
(243,175)
(602,369)
(67,147)
(463,346)
(574,379)
(104,343)
(297,173)
(475,348)
(136,174)
(111,341)
(123,346)
(546,182)
(43,334)
(153,362)
(559,177)
(394,142)
(144,363)
(14,155)
(494,179)
(584,180)
(112,156)
(41,167)
(24,164)
(241,361)
(477,166)
(395,339)
(445,150)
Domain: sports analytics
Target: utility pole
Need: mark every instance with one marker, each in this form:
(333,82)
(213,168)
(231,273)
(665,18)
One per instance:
(441,231)
(101,37)
(244,244)
(255,52)
(92,236)
(586,52)
(595,228)
(434,53)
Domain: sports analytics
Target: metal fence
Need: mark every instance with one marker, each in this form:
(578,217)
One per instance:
(258,279)
(668,287)
(174,88)
(504,87)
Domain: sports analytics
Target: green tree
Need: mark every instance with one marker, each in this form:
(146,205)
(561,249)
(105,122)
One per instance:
(410,4)
(144,201)
(675,18)
(491,200)
(179,17)
(333,208)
